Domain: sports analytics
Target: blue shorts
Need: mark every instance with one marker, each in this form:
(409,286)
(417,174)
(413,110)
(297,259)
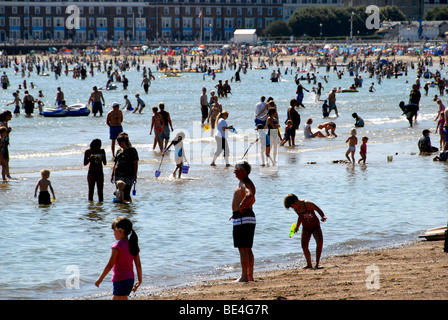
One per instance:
(332,106)
(300,98)
(123,287)
(114,132)
(446,133)
(258,121)
(165,133)
(97,106)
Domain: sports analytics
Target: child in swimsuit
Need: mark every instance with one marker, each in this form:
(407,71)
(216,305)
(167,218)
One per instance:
(43,184)
(363,151)
(352,142)
(310,225)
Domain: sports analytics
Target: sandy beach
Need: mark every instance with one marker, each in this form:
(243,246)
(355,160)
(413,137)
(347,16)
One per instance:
(415,272)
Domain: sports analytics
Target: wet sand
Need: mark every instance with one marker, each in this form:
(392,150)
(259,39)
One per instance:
(418,271)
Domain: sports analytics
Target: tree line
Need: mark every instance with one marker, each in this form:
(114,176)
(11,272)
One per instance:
(330,22)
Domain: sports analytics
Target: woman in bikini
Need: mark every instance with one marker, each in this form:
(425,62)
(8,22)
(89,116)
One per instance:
(306,210)
(157,124)
(215,109)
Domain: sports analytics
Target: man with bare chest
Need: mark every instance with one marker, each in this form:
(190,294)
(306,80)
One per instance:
(244,219)
(114,120)
(96,97)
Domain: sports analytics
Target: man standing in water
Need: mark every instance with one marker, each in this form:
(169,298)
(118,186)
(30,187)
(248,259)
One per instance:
(114,121)
(244,219)
(96,97)
(59,97)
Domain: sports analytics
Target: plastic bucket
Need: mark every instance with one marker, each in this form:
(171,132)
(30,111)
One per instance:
(185,168)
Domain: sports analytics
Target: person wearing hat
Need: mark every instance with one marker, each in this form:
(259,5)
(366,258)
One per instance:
(178,152)
(424,144)
(114,121)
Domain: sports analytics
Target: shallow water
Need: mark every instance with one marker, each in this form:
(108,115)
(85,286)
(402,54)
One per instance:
(183,225)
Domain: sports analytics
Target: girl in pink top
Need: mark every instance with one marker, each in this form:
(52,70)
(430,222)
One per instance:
(125,252)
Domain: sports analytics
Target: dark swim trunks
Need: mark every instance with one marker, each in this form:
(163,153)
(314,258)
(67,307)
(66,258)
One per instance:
(114,132)
(44,197)
(97,106)
(243,229)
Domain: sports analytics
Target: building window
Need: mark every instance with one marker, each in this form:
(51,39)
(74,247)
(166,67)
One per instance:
(48,10)
(187,11)
(249,11)
(2,9)
(14,10)
(218,11)
(36,10)
(101,10)
(58,10)
(48,22)
(118,10)
(91,10)
(129,10)
(26,10)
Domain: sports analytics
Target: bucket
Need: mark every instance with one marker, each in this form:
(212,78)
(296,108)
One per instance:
(185,168)
(389,158)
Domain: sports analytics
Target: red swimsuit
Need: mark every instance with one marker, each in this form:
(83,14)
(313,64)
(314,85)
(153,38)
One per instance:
(309,219)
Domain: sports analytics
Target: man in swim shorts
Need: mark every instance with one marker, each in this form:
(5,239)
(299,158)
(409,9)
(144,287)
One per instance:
(299,93)
(332,102)
(96,97)
(114,121)
(244,219)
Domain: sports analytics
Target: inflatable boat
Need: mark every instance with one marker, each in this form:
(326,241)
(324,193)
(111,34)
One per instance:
(75,110)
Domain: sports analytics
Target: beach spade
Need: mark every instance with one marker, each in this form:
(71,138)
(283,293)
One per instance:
(158,170)
(133,191)
(207,127)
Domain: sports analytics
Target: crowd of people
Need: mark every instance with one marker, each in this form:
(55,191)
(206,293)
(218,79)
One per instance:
(212,114)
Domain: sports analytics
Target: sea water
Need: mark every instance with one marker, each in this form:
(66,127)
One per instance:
(58,251)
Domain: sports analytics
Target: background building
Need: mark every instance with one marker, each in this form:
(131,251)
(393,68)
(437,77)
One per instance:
(157,20)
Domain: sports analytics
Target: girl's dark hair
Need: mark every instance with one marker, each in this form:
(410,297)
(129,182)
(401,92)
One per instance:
(289,200)
(126,224)
(95,144)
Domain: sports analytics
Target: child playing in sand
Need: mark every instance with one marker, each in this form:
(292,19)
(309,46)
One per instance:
(119,193)
(178,153)
(352,142)
(363,151)
(43,184)
(306,211)
(125,253)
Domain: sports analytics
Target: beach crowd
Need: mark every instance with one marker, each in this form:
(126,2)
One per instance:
(214,117)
